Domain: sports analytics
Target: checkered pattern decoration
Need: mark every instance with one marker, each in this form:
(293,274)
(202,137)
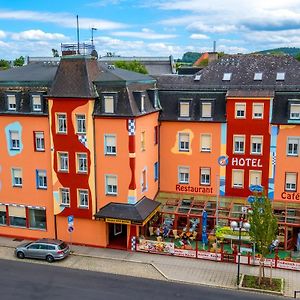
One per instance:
(82,139)
(131,127)
(133,243)
(273,158)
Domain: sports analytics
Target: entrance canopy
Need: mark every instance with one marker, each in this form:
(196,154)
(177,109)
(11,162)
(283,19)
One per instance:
(123,213)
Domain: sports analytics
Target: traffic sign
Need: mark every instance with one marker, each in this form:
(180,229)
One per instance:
(70,221)
(251,199)
(71,229)
(223,160)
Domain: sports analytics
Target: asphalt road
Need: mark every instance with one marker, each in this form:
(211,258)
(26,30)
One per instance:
(27,281)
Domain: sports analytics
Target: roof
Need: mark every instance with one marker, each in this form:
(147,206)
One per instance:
(137,213)
(251,93)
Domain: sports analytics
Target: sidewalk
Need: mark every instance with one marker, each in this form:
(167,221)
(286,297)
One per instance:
(193,271)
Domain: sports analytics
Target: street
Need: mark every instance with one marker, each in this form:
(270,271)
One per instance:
(27,281)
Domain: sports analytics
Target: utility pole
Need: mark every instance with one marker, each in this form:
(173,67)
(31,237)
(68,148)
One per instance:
(93,29)
(77,35)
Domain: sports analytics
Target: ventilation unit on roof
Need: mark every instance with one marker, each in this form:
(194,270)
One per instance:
(280,76)
(197,77)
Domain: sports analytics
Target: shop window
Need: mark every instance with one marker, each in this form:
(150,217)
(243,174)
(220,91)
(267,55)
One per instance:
(3,215)
(143,147)
(81,124)
(239,144)
(204,176)
(14,140)
(181,222)
(156,171)
(205,142)
(237,178)
(41,179)
(109,104)
(39,141)
(293,146)
(17,216)
(184,142)
(110,144)
(61,126)
(256,144)
(37,218)
(63,161)
(64,194)
(206,110)
(111,185)
(183,174)
(257,110)
(291,181)
(240,110)
(11,102)
(17,177)
(184,109)
(36,102)
(81,162)
(255,177)
(83,198)
(294,111)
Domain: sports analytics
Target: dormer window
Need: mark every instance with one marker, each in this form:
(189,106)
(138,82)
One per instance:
(142,103)
(227,76)
(12,102)
(109,104)
(206,110)
(36,103)
(295,111)
(184,109)
(156,99)
(280,76)
(258,76)
(197,77)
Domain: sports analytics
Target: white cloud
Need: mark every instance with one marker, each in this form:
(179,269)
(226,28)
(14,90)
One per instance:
(36,34)
(199,26)
(144,34)
(2,34)
(199,36)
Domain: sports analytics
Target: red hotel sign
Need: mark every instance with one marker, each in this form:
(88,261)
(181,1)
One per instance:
(193,189)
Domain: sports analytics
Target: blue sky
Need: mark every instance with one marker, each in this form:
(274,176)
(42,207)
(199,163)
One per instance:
(148,28)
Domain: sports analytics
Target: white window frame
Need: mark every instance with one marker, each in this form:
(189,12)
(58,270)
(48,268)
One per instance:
(280,76)
(63,161)
(81,123)
(255,149)
(237,110)
(15,142)
(183,142)
(294,149)
(183,106)
(205,176)
(64,195)
(61,119)
(110,144)
(183,175)
(239,140)
(39,138)
(83,198)
(36,102)
(82,162)
(257,175)
(111,188)
(11,102)
(17,177)
(292,185)
(256,114)
(204,113)
(237,184)
(294,115)
(109,105)
(205,147)
(41,178)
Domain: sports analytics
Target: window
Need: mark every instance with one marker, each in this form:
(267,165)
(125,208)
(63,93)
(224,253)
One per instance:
(143,141)
(239,144)
(109,104)
(206,110)
(17,216)
(12,102)
(255,177)
(237,178)
(110,147)
(61,123)
(293,146)
(81,162)
(256,144)
(37,218)
(184,109)
(65,196)
(14,140)
(63,161)
(295,111)
(258,76)
(184,142)
(17,177)
(205,142)
(183,174)
(156,133)
(111,185)
(156,171)
(240,110)
(80,122)
(197,77)
(3,215)
(204,176)
(156,99)
(83,198)
(36,102)
(142,103)
(226,76)
(290,181)
(280,76)
(39,141)
(41,179)
(257,110)
(144,180)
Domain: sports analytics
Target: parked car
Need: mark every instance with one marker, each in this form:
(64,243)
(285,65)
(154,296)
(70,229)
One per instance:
(47,249)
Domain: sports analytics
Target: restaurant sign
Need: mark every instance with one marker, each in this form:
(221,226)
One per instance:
(193,189)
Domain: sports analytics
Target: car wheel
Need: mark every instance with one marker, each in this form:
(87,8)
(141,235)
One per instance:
(49,258)
(20,255)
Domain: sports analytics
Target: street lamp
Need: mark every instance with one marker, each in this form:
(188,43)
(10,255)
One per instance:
(93,29)
(241,225)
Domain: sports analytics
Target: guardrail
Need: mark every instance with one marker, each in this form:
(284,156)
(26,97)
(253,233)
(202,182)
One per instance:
(295,294)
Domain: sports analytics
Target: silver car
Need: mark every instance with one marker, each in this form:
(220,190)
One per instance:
(47,249)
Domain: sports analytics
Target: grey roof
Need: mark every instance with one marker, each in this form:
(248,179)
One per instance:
(136,213)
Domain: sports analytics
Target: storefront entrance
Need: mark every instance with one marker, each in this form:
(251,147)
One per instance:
(117,236)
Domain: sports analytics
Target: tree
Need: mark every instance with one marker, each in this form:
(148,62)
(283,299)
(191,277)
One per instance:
(4,64)
(134,66)
(263,230)
(190,57)
(19,62)
(297,56)
(55,52)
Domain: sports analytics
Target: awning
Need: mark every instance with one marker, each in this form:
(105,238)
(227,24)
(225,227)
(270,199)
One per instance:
(123,213)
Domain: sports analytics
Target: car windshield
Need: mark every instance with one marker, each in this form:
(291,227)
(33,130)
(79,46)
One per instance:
(62,246)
